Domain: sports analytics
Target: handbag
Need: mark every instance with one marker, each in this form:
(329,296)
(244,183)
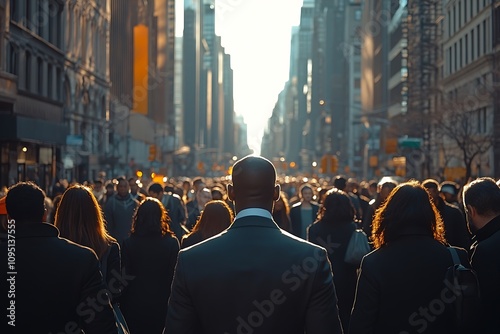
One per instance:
(357,248)
(119,318)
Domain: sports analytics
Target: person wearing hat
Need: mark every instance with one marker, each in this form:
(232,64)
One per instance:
(449,189)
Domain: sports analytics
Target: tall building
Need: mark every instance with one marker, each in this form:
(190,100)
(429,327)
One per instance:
(86,87)
(469,87)
(142,114)
(34,99)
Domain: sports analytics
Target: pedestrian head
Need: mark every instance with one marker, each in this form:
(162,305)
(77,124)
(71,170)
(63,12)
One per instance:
(253,184)
(156,190)
(79,218)
(215,218)
(432,187)
(25,202)
(481,198)
(408,210)
(150,219)
(337,207)
(123,187)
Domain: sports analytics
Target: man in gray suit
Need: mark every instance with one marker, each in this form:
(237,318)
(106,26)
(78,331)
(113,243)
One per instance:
(253,277)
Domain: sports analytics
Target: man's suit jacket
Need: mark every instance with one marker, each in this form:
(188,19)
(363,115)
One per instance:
(58,286)
(296,218)
(253,278)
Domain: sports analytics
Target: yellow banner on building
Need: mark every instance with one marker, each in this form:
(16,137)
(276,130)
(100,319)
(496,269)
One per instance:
(141,62)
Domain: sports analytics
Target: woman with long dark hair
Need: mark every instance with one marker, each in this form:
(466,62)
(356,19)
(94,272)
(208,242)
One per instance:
(215,218)
(333,230)
(149,256)
(281,213)
(401,286)
(79,218)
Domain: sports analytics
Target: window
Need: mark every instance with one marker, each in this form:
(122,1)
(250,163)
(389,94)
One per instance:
(455,57)
(27,73)
(39,64)
(50,81)
(459,14)
(481,120)
(58,84)
(454,18)
(357,15)
(472,49)
(449,61)
(465,11)
(478,29)
(14,10)
(449,24)
(484,37)
(466,49)
(460,54)
(13,60)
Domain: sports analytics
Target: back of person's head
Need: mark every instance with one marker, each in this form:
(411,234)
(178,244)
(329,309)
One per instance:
(25,202)
(198,182)
(79,218)
(151,219)
(340,182)
(449,187)
(408,208)
(337,207)
(484,195)
(430,184)
(156,188)
(253,183)
(215,218)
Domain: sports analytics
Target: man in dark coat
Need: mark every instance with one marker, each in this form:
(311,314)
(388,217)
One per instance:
(49,284)
(174,206)
(455,226)
(482,205)
(303,213)
(253,277)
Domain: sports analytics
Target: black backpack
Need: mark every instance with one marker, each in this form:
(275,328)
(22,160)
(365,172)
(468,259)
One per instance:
(465,286)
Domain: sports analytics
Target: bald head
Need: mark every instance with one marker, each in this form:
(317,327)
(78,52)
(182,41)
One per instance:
(254,184)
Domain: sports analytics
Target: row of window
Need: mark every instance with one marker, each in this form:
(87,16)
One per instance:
(35,75)
(42,17)
(470,47)
(462,12)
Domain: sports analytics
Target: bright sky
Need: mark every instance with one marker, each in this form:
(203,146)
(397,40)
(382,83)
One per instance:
(257,35)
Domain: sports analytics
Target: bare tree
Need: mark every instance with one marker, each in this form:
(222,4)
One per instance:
(460,126)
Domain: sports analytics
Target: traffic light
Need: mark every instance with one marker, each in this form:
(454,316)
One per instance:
(152,153)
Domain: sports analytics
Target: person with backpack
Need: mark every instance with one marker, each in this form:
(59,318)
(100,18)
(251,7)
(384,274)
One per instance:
(402,285)
(481,200)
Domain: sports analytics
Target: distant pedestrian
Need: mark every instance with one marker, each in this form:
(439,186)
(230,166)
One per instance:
(482,205)
(119,210)
(58,285)
(281,213)
(303,213)
(203,196)
(175,209)
(215,218)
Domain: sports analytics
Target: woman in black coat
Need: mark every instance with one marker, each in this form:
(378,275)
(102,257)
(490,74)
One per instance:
(149,258)
(333,230)
(401,286)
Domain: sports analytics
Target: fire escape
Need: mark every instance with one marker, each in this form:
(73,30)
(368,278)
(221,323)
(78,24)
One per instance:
(424,58)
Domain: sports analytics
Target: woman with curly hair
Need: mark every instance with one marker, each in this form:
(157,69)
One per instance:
(401,285)
(149,258)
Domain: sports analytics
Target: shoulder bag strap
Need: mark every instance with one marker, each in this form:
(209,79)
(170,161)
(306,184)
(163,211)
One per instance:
(454,255)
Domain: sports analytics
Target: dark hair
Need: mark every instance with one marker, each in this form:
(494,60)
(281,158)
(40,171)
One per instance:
(408,207)
(340,182)
(25,202)
(150,218)
(55,205)
(156,188)
(431,184)
(215,218)
(305,186)
(197,181)
(484,195)
(337,207)
(79,218)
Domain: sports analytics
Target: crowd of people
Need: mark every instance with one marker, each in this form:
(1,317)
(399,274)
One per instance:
(247,254)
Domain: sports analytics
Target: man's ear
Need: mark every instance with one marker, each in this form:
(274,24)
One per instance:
(230,192)
(471,211)
(277,192)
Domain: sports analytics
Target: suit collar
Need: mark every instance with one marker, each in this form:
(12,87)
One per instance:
(253,221)
(27,230)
